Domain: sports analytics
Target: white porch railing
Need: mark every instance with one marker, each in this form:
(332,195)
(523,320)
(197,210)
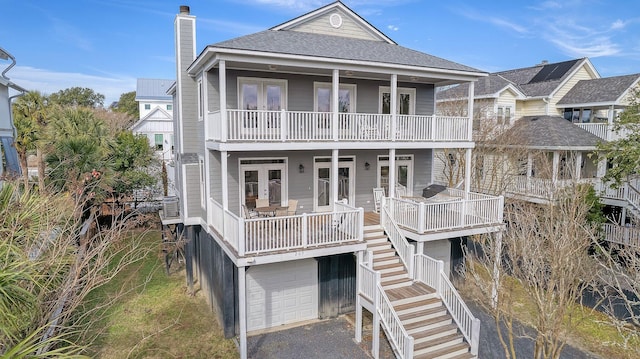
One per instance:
(216,215)
(469,325)
(263,235)
(269,126)
(622,235)
(458,213)
(633,196)
(597,129)
(371,289)
(405,250)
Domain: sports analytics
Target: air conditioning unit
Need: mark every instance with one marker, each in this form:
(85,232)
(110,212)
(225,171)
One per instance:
(170,206)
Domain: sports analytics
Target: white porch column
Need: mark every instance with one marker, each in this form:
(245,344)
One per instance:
(578,173)
(529,165)
(242,310)
(496,268)
(222,84)
(602,169)
(393,106)
(467,172)
(358,323)
(335,98)
(223,173)
(610,119)
(334,177)
(470,109)
(392,172)
(556,167)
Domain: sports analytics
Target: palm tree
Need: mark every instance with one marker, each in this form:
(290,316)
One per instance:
(30,117)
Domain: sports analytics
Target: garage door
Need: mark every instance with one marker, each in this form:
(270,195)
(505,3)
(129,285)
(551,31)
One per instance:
(282,293)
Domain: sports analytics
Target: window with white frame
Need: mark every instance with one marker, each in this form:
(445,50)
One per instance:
(503,114)
(158,138)
(405,101)
(147,106)
(323,97)
(169,107)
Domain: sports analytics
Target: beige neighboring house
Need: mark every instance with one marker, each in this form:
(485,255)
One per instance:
(156,121)
(560,111)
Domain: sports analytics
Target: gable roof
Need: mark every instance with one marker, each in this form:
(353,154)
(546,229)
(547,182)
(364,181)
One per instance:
(152,115)
(607,90)
(490,86)
(338,5)
(153,89)
(547,133)
(336,47)
(536,81)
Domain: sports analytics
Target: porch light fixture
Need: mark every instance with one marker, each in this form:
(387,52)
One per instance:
(367,166)
(348,73)
(301,168)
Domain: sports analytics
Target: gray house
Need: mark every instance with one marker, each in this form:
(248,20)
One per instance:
(8,154)
(303,153)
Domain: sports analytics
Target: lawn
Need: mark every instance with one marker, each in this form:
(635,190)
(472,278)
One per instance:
(153,316)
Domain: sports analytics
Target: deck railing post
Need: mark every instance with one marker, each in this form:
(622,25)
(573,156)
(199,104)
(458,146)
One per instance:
(439,274)
(475,336)
(375,340)
(433,128)
(283,125)
(241,234)
(422,218)
(305,226)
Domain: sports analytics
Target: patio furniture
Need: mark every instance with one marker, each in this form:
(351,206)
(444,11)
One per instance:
(293,207)
(248,214)
(270,211)
(262,202)
(378,193)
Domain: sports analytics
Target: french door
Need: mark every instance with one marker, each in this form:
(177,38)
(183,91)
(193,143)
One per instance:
(258,97)
(263,181)
(404,173)
(322,189)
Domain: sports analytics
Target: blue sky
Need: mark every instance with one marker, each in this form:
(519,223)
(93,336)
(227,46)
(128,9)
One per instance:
(107,44)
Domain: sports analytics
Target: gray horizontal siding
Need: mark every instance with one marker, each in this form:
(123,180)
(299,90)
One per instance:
(215,182)
(192,181)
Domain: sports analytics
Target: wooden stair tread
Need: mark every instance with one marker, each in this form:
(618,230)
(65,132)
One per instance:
(437,341)
(433,331)
(394,273)
(381,251)
(414,290)
(387,266)
(419,303)
(429,321)
(378,244)
(396,281)
(421,313)
(443,351)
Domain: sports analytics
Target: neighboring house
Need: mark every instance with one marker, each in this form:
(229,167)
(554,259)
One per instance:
(8,154)
(282,138)
(559,111)
(156,121)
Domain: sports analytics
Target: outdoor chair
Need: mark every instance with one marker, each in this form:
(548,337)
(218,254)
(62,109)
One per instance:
(378,193)
(262,202)
(293,207)
(249,214)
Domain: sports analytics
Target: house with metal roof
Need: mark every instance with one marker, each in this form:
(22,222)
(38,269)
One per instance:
(303,157)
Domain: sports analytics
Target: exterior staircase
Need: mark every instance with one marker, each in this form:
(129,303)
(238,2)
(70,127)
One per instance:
(421,311)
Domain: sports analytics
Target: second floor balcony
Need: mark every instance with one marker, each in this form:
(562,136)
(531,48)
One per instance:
(305,126)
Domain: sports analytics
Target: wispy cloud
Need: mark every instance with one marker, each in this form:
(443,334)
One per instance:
(231,27)
(393,27)
(67,33)
(618,24)
(578,41)
(52,81)
(494,20)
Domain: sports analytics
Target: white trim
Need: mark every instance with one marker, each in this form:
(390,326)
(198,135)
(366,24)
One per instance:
(203,185)
(353,88)
(344,162)
(411,91)
(589,68)
(335,20)
(282,166)
(201,99)
(328,145)
(261,95)
(259,57)
(399,161)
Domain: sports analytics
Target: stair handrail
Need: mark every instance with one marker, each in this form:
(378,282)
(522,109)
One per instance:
(633,196)
(396,333)
(405,250)
(468,324)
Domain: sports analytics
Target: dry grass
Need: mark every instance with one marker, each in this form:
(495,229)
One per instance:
(156,318)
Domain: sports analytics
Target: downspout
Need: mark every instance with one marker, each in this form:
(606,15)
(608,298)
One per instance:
(8,56)
(547,101)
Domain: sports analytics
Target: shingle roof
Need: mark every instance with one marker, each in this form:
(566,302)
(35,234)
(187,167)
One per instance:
(328,46)
(484,86)
(153,89)
(607,89)
(534,81)
(547,132)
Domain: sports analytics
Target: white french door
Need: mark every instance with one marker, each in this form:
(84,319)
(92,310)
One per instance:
(322,188)
(263,181)
(404,173)
(260,95)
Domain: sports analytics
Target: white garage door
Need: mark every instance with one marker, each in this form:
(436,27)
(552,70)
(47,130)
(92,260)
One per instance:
(282,293)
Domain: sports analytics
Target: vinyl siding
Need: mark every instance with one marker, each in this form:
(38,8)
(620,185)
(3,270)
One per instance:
(300,91)
(213,95)
(192,177)
(534,108)
(300,185)
(191,127)
(215,182)
(581,74)
(321,25)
